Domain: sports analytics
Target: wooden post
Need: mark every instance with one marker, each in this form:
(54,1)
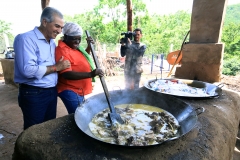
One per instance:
(129,15)
(45,3)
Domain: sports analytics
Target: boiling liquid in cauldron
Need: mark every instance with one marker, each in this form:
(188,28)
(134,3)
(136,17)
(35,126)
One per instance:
(145,125)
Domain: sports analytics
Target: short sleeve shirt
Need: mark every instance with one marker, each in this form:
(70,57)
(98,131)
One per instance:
(78,64)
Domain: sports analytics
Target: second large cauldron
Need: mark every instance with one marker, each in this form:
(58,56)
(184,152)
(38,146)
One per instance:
(183,112)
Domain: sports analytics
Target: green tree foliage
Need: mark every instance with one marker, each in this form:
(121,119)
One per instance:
(159,31)
(231,66)
(162,31)
(232,14)
(5,28)
(231,38)
(108,20)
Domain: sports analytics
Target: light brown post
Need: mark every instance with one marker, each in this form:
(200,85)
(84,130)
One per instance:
(203,56)
(129,15)
(45,3)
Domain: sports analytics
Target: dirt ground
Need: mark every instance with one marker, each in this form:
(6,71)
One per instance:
(11,122)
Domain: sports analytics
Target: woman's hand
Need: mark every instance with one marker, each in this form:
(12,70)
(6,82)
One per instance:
(97,72)
(90,40)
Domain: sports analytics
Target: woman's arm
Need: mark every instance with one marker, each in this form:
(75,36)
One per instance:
(72,75)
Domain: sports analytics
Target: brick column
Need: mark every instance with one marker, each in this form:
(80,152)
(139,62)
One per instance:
(203,55)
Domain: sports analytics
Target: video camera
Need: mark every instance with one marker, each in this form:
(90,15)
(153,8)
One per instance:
(127,35)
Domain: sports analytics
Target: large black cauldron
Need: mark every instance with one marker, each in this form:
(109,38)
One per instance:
(184,113)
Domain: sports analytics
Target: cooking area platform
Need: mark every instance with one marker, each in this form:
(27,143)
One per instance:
(213,136)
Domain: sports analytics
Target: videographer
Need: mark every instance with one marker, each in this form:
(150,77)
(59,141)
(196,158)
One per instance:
(133,50)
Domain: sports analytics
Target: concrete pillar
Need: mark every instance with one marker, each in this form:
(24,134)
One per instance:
(201,62)
(8,71)
(203,55)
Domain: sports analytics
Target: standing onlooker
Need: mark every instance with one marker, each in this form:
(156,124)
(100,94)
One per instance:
(76,81)
(35,69)
(134,51)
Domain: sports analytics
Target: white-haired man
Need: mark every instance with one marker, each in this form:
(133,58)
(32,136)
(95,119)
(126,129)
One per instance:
(35,69)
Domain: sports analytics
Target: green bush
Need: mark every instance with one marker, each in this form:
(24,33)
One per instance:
(231,66)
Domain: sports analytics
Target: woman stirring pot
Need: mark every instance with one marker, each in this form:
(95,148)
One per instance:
(76,81)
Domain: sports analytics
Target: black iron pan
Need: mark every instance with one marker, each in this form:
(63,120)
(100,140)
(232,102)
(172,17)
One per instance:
(184,113)
(212,90)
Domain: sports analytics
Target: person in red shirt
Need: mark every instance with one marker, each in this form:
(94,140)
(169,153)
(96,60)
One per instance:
(76,81)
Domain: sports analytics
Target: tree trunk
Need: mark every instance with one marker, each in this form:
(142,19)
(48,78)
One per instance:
(45,3)
(129,15)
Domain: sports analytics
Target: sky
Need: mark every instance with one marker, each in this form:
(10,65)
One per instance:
(24,15)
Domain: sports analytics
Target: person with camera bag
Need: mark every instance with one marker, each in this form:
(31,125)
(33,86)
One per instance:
(133,50)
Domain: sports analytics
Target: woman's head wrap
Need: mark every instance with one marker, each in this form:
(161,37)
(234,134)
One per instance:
(72,29)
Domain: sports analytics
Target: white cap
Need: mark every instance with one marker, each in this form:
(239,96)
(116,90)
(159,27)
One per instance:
(72,29)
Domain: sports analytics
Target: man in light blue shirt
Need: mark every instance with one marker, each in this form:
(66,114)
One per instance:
(35,69)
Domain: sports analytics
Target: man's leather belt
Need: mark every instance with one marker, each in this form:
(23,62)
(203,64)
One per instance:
(22,85)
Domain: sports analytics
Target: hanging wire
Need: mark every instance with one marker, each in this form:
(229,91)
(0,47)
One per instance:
(179,53)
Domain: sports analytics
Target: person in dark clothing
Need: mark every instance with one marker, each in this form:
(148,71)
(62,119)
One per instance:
(134,51)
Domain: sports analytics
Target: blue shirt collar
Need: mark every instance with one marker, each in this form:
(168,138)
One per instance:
(40,35)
